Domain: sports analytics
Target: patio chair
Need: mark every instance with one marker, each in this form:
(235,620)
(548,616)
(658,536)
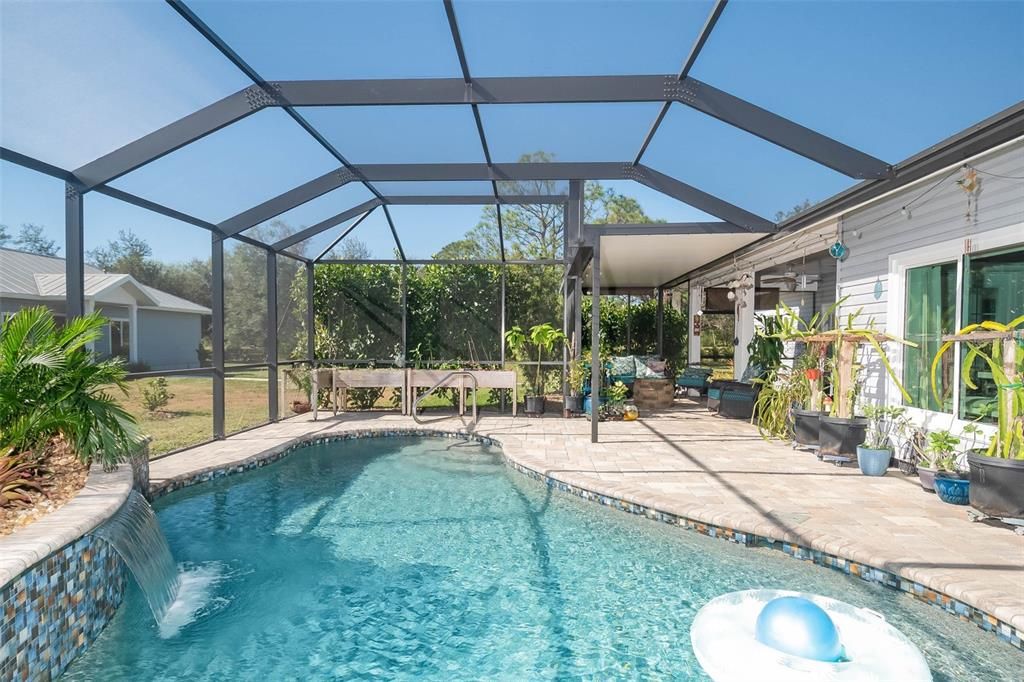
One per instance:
(735,399)
(696,377)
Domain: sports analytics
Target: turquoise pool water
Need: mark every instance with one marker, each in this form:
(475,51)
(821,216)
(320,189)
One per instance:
(429,559)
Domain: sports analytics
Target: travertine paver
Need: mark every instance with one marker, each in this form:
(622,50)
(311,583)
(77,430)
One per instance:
(720,471)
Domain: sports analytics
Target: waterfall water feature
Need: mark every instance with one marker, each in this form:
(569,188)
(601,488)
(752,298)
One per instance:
(135,534)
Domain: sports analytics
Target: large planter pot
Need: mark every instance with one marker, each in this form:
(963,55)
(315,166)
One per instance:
(873,462)
(805,426)
(952,490)
(574,404)
(997,486)
(534,404)
(926,476)
(840,436)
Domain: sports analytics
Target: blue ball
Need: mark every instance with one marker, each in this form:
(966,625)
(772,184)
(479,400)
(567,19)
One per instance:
(799,627)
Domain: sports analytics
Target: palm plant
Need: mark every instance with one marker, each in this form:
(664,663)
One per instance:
(1004,357)
(51,384)
(543,337)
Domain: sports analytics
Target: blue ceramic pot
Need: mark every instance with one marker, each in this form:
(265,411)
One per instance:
(873,462)
(953,490)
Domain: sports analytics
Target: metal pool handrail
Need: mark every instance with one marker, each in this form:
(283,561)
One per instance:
(441,384)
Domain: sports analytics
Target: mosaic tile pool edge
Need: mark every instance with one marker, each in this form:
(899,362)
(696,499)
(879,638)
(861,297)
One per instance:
(53,611)
(1004,631)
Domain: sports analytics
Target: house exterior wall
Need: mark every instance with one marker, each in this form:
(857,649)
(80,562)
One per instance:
(879,235)
(168,340)
(10,304)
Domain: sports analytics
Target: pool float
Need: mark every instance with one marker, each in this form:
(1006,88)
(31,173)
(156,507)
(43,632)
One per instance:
(786,635)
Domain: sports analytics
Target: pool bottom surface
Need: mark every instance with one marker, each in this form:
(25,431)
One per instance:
(429,559)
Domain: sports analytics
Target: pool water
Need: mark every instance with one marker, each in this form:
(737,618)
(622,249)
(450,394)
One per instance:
(430,559)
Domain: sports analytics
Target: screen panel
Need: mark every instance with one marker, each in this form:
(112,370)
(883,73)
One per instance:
(889,78)
(737,166)
(566,132)
(234,168)
(447,232)
(563,38)
(126,69)
(358,312)
(400,134)
(300,40)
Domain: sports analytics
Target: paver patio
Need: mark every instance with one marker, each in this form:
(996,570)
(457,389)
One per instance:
(721,472)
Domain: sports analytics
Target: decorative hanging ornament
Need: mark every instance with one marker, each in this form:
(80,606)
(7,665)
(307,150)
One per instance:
(969,184)
(878,289)
(838,250)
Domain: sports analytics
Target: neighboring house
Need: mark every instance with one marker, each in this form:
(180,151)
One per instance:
(147,326)
(923,261)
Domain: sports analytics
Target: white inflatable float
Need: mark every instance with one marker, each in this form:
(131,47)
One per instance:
(736,639)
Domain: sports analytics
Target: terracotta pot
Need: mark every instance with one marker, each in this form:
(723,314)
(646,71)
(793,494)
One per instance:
(300,406)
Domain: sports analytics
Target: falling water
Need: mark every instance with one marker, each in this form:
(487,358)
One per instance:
(135,534)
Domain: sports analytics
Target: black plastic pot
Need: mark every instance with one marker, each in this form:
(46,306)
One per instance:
(840,436)
(574,404)
(805,426)
(997,485)
(534,404)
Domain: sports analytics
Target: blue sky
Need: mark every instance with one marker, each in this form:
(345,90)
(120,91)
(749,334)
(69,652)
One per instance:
(83,78)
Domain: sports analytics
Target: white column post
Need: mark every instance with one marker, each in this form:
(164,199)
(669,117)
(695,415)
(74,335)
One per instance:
(694,300)
(744,323)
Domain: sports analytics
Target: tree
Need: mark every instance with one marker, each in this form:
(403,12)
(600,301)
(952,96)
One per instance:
(32,240)
(534,231)
(799,208)
(129,254)
(5,236)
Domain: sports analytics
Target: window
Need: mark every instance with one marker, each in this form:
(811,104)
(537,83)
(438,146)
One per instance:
(120,339)
(992,289)
(931,312)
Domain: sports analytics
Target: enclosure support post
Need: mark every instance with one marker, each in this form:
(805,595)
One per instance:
(567,304)
(405,315)
(272,329)
(629,324)
(661,322)
(73,244)
(310,317)
(578,315)
(595,339)
(217,333)
(504,268)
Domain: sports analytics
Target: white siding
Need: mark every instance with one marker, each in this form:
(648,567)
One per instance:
(880,230)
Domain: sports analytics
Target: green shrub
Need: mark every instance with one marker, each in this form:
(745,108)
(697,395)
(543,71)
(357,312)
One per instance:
(51,384)
(155,394)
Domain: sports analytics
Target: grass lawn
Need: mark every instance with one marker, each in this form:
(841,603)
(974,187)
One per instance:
(188,417)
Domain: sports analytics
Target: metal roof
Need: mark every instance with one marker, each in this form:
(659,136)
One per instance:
(35,276)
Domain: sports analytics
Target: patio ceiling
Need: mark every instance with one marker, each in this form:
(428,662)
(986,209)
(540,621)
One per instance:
(389,126)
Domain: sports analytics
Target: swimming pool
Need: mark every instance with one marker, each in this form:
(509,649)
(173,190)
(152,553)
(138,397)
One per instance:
(428,558)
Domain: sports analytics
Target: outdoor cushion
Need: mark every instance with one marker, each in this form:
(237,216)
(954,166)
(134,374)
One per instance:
(650,367)
(750,373)
(622,366)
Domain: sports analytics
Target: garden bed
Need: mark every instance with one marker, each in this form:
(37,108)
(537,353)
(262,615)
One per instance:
(66,477)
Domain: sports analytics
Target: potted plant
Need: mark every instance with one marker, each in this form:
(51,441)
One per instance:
(997,471)
(576,375)
(885,423)
(938,457)
(809,408)
(808,397)
(841,431)
(614,406)
(543,338)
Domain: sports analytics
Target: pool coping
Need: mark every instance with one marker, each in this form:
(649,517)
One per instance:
(103,494)
(845,557)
